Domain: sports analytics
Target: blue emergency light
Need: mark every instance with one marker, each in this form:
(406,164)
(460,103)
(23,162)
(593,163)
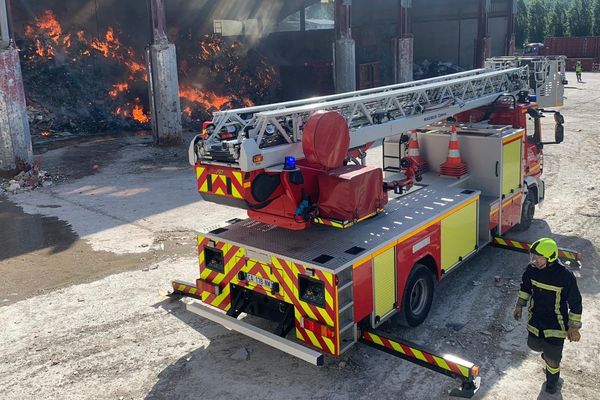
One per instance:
(289,163)
(532,98)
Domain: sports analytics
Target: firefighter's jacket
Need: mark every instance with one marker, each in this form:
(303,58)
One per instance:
(554,300)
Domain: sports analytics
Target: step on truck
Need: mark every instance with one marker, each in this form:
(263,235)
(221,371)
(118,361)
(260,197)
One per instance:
(332,247)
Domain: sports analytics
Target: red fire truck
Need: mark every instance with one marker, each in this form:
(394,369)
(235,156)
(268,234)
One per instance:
(333,247)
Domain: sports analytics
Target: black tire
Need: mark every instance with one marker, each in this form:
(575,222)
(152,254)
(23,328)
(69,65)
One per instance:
(527,213)
(418,296)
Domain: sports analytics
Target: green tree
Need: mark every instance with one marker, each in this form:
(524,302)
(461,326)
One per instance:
(521,31)
(558,20)
(596,15)
(580,18)
(537,17)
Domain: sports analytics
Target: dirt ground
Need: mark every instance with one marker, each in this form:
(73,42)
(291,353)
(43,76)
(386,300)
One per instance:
(83,263)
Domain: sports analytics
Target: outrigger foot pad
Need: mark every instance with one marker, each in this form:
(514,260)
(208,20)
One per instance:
(467,389)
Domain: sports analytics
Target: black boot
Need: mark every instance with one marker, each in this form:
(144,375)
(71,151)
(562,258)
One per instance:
(552,379)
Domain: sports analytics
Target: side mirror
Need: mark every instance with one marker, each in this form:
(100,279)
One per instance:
(559,133)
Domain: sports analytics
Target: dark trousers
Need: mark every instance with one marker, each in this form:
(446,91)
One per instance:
(551,353)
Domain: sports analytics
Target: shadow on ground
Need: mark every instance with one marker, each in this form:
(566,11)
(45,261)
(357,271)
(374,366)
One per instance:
(210,371)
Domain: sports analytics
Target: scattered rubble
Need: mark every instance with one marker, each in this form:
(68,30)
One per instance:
(26,181)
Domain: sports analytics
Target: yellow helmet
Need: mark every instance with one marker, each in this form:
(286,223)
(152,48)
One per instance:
(545,247)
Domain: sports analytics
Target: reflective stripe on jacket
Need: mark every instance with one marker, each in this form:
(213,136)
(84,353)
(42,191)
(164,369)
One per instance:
(554,300)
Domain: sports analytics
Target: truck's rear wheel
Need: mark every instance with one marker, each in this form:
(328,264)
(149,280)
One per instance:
(527,213)
(418,296)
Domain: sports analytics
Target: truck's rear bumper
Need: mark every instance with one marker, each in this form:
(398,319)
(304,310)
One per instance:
(285,345)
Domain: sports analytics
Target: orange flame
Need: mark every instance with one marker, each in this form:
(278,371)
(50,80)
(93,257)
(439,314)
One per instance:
(139,115)
(47,27)
(207,98)
(118,88)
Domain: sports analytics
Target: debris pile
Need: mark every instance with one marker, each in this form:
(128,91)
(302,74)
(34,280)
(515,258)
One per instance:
(429,69)
(26,181)
(89,82)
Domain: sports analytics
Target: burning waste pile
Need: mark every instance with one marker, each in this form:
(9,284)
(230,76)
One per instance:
(429,69)
(233,75)
(66,79)
(82,84)
(26,181)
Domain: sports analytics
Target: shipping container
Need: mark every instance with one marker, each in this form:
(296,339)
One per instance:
(573,47)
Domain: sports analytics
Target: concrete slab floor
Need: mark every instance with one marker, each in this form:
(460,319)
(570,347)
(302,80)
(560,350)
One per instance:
(116,337)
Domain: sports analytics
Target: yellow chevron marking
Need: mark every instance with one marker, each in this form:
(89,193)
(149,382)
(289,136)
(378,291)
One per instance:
(517,244)
(326,317)
(375,339)
(199,172)
(204,185)
(329,300)
(419,354)
(397,347)
(463,370)
(441,363)
(219,299)
(312,338)
(501,241)
(330,345)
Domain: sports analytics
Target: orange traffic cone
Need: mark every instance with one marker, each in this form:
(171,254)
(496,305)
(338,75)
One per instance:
(415,155)
(453,165)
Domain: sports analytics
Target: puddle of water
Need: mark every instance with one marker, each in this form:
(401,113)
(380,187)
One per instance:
(22,233)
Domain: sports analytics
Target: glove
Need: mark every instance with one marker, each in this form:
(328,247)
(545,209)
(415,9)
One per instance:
(518,311)
(573,334)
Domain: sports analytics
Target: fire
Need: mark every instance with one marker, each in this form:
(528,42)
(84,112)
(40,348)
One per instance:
(207,98)
(118,88)
(49,24)
(47,29)
(139,115)
(110,45)
(232,73)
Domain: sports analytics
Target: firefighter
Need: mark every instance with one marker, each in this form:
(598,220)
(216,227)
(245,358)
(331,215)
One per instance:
(554,307)
(578,70)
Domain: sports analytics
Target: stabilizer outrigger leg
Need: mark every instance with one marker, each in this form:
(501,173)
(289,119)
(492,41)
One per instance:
(449,365)
(571,256)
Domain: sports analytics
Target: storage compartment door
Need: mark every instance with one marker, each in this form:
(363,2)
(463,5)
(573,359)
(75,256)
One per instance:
(459,235)
(511,167)
(384,282)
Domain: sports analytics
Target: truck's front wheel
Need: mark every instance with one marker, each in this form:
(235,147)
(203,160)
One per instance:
(527,212)
(418,296)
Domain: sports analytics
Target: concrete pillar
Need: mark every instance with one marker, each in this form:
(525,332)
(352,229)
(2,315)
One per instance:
(4,29)
(344,55)
(16,153)
(163,81)
(483,42)
(402,44)
(509,48)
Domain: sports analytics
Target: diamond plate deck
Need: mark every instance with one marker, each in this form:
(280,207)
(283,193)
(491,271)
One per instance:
(402,216)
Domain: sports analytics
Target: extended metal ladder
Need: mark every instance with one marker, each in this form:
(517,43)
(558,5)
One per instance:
(547,75)
(275,131)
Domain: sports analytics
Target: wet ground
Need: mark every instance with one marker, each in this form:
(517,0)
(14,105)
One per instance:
(39,254)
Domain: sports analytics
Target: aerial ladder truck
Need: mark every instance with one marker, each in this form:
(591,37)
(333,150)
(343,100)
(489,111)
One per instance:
(332,247)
